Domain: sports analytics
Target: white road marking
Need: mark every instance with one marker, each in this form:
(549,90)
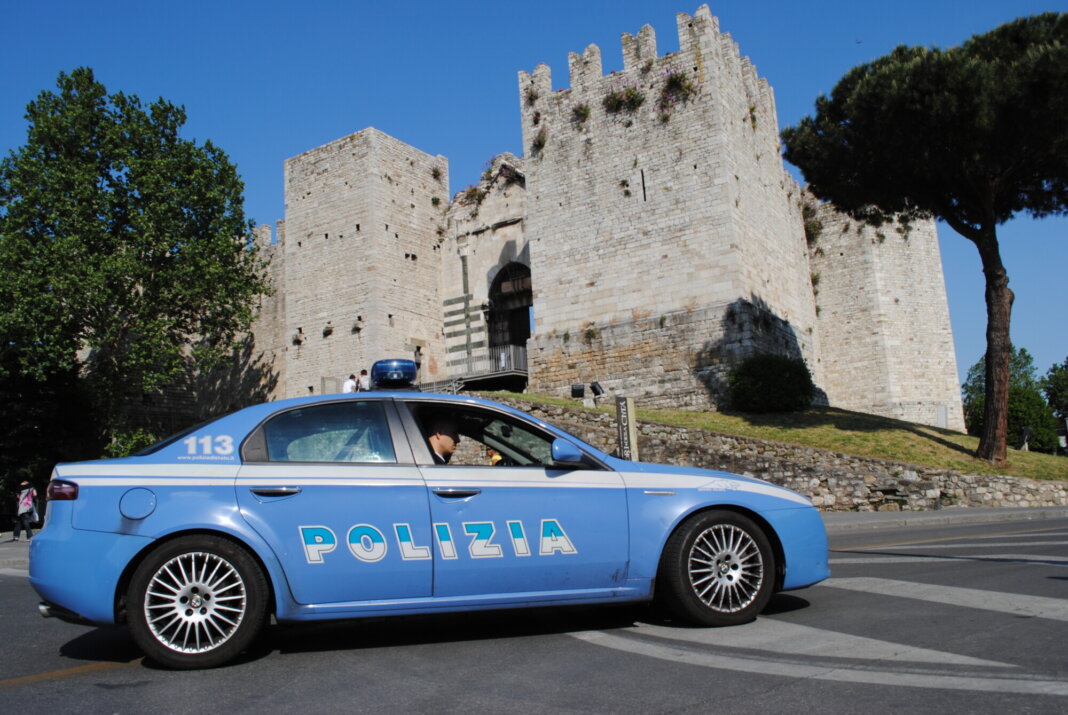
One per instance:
(768,666)
(963,558)
(15,572)
(1016,604)
(778,645)
(789,638)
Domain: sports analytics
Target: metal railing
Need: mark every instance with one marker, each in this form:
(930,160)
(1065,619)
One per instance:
(491,361)
(487,362)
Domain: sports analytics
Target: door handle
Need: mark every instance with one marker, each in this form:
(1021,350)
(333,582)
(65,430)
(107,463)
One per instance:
(457,493)
(275,491)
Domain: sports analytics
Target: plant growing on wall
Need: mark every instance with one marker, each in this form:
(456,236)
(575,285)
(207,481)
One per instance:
(677,88)
(580,113)
(531,96)
(813,226)
(471,196)
(539,141)
(627,99)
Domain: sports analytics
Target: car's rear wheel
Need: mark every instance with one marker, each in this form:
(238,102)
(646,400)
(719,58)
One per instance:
(196,602)
(717,570)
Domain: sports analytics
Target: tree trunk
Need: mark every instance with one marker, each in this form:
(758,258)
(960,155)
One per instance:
(993,441)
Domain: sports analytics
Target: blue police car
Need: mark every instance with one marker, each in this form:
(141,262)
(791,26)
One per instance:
(399,502)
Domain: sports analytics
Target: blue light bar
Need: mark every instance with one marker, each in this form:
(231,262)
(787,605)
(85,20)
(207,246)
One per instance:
(393,374)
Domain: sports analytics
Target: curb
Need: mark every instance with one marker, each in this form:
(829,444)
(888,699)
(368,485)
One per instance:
(851,521)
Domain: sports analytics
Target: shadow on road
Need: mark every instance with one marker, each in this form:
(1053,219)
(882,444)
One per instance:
(102,644)
(116,645)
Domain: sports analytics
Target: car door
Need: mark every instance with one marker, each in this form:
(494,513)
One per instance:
(518,525)
(332,489)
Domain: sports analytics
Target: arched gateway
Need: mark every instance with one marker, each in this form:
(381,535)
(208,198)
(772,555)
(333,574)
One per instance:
(511,302)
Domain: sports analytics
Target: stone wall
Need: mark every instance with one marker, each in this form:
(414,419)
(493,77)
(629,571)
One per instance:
(833,480)
(674,359)
(884,320)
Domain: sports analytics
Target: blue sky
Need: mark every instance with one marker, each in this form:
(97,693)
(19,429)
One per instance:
(267,80)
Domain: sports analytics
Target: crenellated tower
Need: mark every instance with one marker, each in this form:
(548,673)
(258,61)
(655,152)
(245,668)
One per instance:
(658,195)
(362,260)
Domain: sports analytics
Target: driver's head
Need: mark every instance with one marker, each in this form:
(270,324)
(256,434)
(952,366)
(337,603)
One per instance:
(443,437)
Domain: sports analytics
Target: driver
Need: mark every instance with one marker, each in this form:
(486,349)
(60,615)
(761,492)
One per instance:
(443,438)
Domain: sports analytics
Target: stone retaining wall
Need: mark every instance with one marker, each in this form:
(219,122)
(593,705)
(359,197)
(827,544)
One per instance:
(833,480)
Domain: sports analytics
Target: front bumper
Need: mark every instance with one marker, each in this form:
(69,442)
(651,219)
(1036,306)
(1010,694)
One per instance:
(804,544)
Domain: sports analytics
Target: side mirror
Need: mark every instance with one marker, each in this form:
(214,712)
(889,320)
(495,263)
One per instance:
(566,454)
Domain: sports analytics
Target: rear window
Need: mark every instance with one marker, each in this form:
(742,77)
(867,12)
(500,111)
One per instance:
(335,432)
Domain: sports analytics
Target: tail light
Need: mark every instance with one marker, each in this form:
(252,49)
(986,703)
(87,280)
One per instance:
(61,490)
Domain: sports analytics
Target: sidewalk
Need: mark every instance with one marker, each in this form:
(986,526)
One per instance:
(15,554)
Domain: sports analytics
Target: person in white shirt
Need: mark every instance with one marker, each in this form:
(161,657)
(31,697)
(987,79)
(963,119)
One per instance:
(350,384)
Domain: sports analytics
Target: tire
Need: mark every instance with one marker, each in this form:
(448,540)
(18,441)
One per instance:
(718,569)
(196,602)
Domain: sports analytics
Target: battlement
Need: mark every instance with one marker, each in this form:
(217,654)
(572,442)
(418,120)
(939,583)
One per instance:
(708,69)
(638,51)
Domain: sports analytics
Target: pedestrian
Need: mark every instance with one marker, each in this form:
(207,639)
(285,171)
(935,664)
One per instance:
(350,384)
(26,511)
(364,382)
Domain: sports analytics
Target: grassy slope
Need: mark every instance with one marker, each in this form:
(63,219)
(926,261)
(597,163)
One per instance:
(853,433)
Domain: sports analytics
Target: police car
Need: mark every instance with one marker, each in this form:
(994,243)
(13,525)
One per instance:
(399,502)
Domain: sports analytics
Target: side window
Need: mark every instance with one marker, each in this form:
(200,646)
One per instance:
(486,437)
(333,432)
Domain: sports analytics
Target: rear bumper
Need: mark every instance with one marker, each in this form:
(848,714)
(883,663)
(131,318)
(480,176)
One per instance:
(77,572)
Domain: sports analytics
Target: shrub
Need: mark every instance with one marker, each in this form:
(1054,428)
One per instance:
(771,383)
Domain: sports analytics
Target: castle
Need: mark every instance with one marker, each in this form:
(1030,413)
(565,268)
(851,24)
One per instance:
(648,240)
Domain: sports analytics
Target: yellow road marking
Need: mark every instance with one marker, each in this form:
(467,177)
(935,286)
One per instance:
(66,673)
(942,538)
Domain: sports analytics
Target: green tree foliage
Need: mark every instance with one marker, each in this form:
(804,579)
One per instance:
(1022,373)
(42,422)
(123,247)
(1027,408)
(1055,385)
(771,383)
(971,135)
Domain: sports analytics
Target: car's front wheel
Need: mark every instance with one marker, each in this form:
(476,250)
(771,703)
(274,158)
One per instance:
(717,569)
(196,602)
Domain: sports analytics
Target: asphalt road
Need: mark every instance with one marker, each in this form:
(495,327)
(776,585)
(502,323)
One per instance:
(929,616)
